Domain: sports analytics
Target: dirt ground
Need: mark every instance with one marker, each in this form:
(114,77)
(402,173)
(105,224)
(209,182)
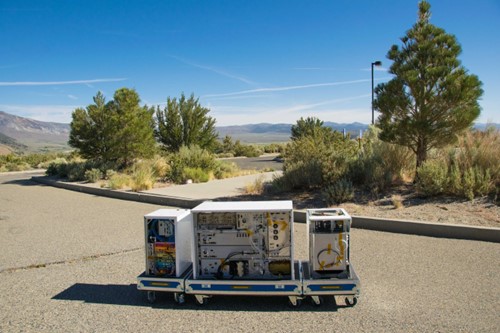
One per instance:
(477,213)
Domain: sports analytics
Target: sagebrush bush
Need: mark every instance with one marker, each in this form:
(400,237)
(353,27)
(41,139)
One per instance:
(224,169)
(468,169)
(300,175)
(21,162)
(476,182)
(338,192)
(76,171)
(17,166)
(197,175)
(192,157)
(432,178)
(93,175)
(381,164)
(315,160)
(247,150)
(109,173)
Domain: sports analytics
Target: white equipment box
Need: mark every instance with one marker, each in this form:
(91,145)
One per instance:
(243,240)
(168,245)
(328,231)
(168,251)
(329,271)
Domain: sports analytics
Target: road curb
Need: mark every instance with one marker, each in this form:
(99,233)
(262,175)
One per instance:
(362,222)
(123,195)
(440,230)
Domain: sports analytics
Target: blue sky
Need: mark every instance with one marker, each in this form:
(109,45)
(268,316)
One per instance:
(248,61)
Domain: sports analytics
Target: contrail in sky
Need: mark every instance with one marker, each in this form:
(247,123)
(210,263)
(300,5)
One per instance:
(315,85)
(58,83)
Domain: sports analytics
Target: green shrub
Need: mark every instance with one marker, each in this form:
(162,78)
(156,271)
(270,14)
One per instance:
(17,166)
(247,150)
(300,175)
(76,171)
(109,173)
(192,157)
(274,148)
(197,175)
(225,155)
(432,178)
(339,192)
(381,164)
(476,182)
(93,175)
(224,169)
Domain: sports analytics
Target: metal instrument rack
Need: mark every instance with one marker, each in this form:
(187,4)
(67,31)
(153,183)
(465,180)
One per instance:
(246,248)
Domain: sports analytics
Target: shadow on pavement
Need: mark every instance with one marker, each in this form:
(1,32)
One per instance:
(128,295)
(22,182)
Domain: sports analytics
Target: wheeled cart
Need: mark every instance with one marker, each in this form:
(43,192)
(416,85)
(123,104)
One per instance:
(247,248)
(203,289)
(329,271)
(174,285)
(347,286)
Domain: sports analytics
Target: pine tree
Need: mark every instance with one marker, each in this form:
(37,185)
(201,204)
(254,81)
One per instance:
(432,97)
(184,123)
(91,130)
(118,131)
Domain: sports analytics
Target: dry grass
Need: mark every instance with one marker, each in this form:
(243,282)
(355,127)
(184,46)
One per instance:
(257,187)
(119,181)
(397,201)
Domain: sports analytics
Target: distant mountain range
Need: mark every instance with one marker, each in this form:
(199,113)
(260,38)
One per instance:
(20,134)
(268,133)
(23,134)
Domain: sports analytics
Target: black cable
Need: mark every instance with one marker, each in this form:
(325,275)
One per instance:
(333,263)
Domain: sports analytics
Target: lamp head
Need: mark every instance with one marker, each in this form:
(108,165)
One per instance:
(377,63)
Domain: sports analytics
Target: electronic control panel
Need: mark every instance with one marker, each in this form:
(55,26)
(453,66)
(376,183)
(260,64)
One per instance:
(328,231)
(168,244)
(243,240)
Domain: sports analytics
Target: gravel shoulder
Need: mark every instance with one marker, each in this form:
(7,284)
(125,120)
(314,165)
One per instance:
(477,213)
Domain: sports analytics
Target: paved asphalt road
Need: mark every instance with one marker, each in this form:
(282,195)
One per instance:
(268,162)
(68,263)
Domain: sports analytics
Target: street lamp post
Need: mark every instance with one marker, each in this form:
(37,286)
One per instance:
(376,63)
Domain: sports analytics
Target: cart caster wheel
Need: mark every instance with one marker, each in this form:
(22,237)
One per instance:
(151,295)
(350,302)
(200,300)
(296,304)
(179,298)
(317,300)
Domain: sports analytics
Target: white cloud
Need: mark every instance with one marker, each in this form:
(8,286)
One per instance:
(72,96)
(57,83)
(50,113)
